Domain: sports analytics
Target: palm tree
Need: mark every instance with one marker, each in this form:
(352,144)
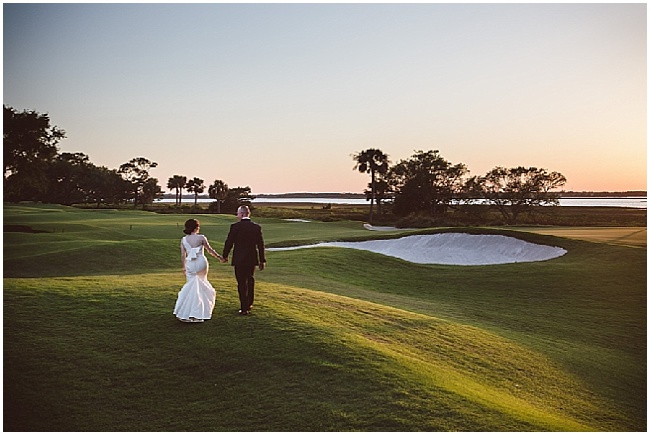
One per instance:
(171,184)
(219,191)
(197,186)
(371,161)
(382,192)
(177,182)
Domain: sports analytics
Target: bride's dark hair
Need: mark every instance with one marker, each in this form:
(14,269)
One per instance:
(190,226)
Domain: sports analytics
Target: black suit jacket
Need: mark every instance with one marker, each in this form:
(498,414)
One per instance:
(246,237)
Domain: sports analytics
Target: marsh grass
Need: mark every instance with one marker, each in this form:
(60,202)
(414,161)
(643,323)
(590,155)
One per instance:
(340,340)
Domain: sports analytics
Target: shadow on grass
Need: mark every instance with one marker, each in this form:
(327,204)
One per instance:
(92,361)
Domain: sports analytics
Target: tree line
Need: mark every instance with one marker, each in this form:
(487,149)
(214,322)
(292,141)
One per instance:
(424,184)
(225,199)
(428,184)
(34,170)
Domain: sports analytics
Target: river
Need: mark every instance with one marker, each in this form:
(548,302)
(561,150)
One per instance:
(632,202)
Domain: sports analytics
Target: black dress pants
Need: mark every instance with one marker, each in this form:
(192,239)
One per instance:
(245,285)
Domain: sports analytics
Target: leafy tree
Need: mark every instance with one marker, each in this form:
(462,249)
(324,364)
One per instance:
(453,184)
(372,161)
(219,191)
(151,191)
(29,145)
(382,192)
(196,186)
(177,182)
(68,175)
(425,182)
(517,190)
(106,186)
(136,172)
(235,197)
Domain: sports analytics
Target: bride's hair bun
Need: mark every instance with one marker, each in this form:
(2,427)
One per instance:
(190,226)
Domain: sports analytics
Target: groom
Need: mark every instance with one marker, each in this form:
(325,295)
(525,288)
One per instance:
(246,236)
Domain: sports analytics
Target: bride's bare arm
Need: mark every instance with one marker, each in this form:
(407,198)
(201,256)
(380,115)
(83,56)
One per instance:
(212,252)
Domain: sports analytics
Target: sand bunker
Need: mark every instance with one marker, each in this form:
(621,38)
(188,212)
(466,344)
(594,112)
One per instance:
(453,249)
(374,228)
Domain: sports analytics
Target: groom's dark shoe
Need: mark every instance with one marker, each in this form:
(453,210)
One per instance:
(244,313)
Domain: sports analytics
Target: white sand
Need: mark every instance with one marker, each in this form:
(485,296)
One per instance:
(453,249)
(374,228)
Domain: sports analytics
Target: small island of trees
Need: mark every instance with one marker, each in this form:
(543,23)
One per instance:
(428,185)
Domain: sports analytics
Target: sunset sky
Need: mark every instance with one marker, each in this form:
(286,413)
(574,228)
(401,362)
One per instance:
(278,96)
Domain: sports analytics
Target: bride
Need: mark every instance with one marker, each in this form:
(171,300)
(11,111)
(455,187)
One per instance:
(196,299)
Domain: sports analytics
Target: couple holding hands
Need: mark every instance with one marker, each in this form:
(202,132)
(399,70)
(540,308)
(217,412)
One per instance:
(196,299)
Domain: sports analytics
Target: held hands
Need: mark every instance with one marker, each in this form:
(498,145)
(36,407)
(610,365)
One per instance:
(219,257)
(262,266)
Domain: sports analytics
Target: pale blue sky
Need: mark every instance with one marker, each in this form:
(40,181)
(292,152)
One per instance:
(277,97)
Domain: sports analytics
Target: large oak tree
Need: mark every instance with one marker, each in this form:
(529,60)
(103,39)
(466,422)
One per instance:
(29,146)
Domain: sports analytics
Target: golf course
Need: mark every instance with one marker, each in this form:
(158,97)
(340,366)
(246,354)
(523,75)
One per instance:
(339,339)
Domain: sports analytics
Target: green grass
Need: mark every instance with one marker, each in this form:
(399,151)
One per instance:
(340,340)
(624,236)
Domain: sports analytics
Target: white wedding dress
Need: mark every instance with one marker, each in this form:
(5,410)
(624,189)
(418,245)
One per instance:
(196,299)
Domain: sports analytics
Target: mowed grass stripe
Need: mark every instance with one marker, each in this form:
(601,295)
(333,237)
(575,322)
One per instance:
(472,363)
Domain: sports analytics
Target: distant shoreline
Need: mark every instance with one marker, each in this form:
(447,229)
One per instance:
(349,195)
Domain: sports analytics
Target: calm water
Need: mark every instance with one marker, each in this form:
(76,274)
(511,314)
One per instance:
(605,202)
(634,202)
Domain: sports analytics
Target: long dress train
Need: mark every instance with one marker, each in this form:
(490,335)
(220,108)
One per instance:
(196,298)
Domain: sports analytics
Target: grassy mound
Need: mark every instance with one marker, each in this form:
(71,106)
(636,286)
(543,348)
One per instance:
(340,340)
(106,353)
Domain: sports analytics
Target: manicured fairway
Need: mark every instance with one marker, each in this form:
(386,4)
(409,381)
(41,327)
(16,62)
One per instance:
(624,236)
(339,339)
